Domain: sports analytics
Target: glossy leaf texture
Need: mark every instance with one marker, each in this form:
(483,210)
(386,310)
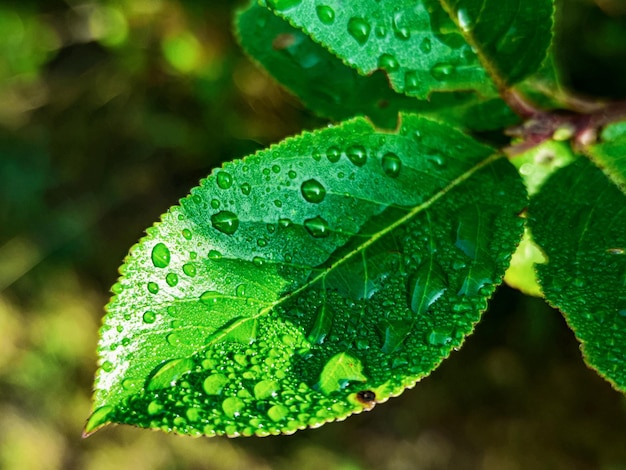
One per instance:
(610,153)
(579,220)
(308,281)
(333,90)
(512,37)
(430,45)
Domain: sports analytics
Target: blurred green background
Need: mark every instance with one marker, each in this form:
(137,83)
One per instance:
(110,112)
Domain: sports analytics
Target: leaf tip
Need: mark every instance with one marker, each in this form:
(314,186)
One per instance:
(98,419)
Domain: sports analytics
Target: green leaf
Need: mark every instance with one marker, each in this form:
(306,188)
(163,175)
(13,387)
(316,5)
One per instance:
(422,48)
(579,220)
(610,153)
(512,37)
(308,282)
(333,90)
(415,42)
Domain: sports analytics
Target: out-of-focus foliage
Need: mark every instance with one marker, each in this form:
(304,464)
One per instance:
(110,111)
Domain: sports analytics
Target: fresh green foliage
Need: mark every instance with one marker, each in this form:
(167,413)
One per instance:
(321,276)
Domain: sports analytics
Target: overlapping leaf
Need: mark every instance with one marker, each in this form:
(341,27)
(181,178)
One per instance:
(308,282)
(579,219)
(430,45)
(330,88)
(610,153)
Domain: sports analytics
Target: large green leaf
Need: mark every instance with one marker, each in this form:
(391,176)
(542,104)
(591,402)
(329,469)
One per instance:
(308,282)
(330,88)
(579,219)
(610,153)
(430,45)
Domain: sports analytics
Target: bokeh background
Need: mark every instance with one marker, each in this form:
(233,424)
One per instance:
(110,111)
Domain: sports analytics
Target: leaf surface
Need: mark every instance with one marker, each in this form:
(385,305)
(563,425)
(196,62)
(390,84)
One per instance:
(308,282)
(610,153)
(333,90)
(430,45)
(579,220)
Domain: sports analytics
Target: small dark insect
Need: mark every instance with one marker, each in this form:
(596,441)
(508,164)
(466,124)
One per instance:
(366,396)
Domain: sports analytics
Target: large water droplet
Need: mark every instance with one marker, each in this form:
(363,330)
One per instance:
(278,412)
(442,71)
(359,29)
(391,164)
(210,297)
(189,269)
(282,4)
(233,406)
(224,180)
(266,389)
(225,221)
(149,317)
(214,384)
(388,62)
(313,191)
(325,13)
(160,255)
(425,286)
(317,227)
(357,155)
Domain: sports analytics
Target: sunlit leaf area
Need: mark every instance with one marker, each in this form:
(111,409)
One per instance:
(109,112)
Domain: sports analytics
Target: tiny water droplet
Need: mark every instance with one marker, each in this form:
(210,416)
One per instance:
(261,242)
(411,81)
(442,71)
(278,203)
(292,174)
(174,339)
(426,45)
(616,251)
(284,223)
(225,221)
(107,366)
(189,269)
(160,256)
(313,191)
(271,228)
(317,227)
(276,168)
(391,164)
(333,154)
(240,291)
(215,203)
(357,155)
(388,62)
(258,261)
(359,29)
(149,317)
(224,180)
(210,297)
(187,234)
(213,255)
(380,31)
(245,189)
(153,287)
(325,14)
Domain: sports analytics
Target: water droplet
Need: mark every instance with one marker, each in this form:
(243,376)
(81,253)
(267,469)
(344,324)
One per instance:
(261,242)
(282,4)
(439,338)
(313,191)
(284,223)
(388,62)
(357,155)
(213,255)
(292,174)
(266,389)
(193,414)
(391,164)
(245,189)
(171,279)
(266,171)
(153,287)
(325,13)
(438,160)
(271,228)
(380,31)
(399,29)
(149,317)
(464,20)
(215,203)
(278,203)
(169,372)
(107,366)
(214,384)
(225,221)
(359,29)
(187,234)
(189,269)
(240,291)
(333,154)
(210,297)
(317,227)
(442,71)
(233,406)
(411,81)
(426,45)
(616,251)
(174,339)
(278,412)
(154,407)
(276,168)
(258,261)
(224,180)
(160,255)
(425,286)
(315,156)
